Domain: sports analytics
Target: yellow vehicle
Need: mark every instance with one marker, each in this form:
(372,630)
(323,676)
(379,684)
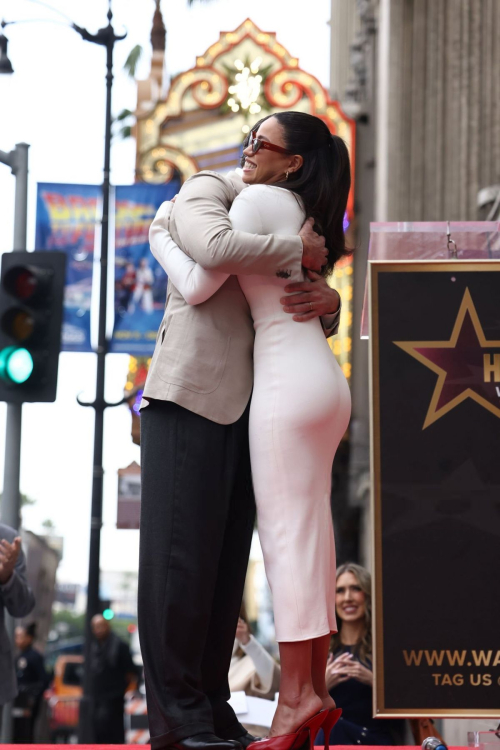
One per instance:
(64,695)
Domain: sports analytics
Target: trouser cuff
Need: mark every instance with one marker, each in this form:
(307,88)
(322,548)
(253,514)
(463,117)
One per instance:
(162,741)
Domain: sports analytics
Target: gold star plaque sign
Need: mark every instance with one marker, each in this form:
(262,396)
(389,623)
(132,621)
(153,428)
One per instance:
(467,366)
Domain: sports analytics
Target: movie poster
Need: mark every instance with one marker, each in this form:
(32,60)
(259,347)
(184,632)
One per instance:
(66,221)
(140,282)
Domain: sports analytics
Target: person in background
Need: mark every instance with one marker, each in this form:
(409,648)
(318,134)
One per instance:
(112,669)
(32,680)
(252,668)
(17,599)
(349,675)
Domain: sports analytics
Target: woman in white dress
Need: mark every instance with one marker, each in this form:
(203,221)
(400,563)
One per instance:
(300,404)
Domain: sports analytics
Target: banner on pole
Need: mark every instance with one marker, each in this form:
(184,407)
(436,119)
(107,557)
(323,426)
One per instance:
(435,342)
(66,220)
(140,282)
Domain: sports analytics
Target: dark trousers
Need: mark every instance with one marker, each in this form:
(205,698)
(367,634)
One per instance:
(197,516)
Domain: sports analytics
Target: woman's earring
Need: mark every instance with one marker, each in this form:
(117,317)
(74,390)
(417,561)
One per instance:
(286,174)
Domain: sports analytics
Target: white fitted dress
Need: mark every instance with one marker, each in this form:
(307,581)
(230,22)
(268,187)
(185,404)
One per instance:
(299,412)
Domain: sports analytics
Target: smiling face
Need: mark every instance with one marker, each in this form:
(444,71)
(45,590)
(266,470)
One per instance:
(350,599)
(266,167)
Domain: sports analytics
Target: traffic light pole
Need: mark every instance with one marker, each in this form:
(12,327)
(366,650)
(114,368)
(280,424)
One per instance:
(17,160)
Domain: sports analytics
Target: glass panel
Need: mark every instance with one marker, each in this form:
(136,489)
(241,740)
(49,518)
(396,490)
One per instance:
(428,241)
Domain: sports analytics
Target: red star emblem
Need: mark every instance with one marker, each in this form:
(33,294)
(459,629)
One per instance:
(467,365)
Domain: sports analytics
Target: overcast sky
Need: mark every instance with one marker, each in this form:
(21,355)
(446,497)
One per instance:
(55,102)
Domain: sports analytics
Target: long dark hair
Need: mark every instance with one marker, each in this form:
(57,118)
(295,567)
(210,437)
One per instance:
(324,180)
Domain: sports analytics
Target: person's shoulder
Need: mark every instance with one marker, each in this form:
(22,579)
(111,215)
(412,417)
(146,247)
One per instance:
(35,655)
(269,194)
(209,181)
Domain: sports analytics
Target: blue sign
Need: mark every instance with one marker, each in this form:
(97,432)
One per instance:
(140,282)
(65,220)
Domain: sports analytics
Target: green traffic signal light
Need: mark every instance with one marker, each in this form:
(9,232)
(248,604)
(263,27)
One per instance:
(16,364)
(31,308)
(108,614)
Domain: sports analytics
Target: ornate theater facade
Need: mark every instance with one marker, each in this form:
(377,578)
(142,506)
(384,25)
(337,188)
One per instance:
(201,120)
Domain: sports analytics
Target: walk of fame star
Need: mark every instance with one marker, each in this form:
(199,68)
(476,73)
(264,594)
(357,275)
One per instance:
(459,365)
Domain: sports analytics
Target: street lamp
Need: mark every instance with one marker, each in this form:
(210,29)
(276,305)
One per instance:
(107,38)
(5,63)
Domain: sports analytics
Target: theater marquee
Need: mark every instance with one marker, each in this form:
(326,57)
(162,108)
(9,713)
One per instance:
(435,382)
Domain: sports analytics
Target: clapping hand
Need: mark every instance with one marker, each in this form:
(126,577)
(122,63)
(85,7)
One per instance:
(242,632)
(358,671)
(345,667)
(9,555)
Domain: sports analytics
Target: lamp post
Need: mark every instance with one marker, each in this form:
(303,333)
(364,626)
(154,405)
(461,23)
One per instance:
(105,37)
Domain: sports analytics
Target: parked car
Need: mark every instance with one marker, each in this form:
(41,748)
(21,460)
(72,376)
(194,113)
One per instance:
(63,697)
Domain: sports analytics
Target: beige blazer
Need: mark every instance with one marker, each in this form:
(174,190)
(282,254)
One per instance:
(203,358)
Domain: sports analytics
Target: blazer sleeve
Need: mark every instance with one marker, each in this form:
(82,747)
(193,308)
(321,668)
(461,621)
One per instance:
(195,283)
(201,215)
(331,322)
(16,594)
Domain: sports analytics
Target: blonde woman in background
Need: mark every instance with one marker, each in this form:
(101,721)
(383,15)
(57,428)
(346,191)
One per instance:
(349,675)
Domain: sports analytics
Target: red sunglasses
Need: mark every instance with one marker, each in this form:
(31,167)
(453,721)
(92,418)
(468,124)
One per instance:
(256,144)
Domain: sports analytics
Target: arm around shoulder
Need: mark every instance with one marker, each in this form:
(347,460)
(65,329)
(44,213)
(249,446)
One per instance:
(195,283)
(207,234)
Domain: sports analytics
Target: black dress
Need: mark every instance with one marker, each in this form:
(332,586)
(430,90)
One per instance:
(357,725)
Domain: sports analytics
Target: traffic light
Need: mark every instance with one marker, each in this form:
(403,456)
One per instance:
(31,306)
(105,609)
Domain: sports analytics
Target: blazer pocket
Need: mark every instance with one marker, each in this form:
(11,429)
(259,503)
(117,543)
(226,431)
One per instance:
(193,355)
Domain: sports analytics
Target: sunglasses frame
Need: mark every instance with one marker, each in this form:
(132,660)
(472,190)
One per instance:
(264,145)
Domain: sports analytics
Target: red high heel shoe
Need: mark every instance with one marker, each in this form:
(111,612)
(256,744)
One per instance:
(302,739)
(331,719)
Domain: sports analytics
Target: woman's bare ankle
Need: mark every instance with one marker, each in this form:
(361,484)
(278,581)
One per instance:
(294,699)
(328,701)
(293,710)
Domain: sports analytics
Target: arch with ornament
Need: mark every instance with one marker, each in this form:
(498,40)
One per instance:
(201,122)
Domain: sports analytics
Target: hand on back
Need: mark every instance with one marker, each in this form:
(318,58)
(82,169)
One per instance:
(314,253)
(310,299)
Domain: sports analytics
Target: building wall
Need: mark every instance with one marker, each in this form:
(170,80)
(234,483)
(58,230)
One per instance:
(422,80)
(424,86)
(343,26)
(41,567)
(438,139)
